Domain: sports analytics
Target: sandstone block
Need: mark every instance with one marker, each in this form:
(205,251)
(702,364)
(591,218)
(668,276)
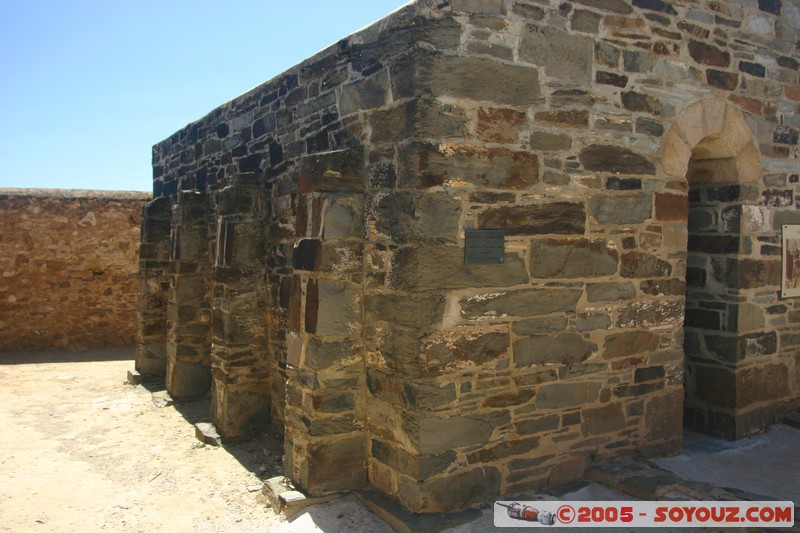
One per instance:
(563,55)
(431,218)
(444,268)
(426,165)
(561,395)
(564,218)
(604,419)
(573,258)
(523,302)
(337,466)
(615,159)
(341,171)
(628,209)
(417,311)
(630,343)
(567,349)
(337,305)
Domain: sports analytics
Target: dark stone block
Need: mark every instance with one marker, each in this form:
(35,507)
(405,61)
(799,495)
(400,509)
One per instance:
(600,292)
(564,118)
(430,218)
(720,79)
(664,416)
(715,385)
(714,244)
(426,73)
(223,130)
(696,277)
(789,62)
(510,399)
(655,5)
(322,355)
(754,69)
(444,268)
(520,303)
(312,305)
(651,373)
(785,135)
(575,258)
(560,395)
(623,184)
(633,101)
(464,489)
(602,420)
(342,171)
(706,54)
(441,355)
(408,310)
(416,467)
(555,217)
(703,319)
(504,450)
(542,424)
(425,165)
(307,255)
(613,6)
(614,159)
(641,265)
(567,349)
(417,118)
(337,466)
(609,78)
(649,126)
(663,287)
(627,343)
(770,6)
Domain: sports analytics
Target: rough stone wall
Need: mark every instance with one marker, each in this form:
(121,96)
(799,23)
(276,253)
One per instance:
(627,148)
(69,262)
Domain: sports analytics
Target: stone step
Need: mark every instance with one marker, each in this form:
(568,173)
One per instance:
(403,521)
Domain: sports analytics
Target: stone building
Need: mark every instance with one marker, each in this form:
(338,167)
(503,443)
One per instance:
(481,243)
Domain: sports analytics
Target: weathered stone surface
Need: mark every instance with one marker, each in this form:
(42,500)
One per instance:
(417,467)
(664,416)
(425,165)
(614,159)
(652,313)
(452,351)
(321,354)
(417,118)
(504,450)
(462,490)
(342,171)
(614,6)
(413,311)
(566,349)
(599,292)
(628,209)
(630,343)
(338,309)
(641,265)
(550,142)
(604,419)
(435,434)
(337,466)
(541,326)
(444,268)
(554,217)
(523,302)
(501,125)
(562,55)
(572,258)
(465,77)
(706,54)
(559,395)
(431,218)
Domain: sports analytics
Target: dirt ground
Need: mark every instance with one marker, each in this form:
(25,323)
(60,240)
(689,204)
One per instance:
(80,450)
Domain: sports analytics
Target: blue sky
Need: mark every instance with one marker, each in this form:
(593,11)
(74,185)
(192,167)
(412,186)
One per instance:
(88,86)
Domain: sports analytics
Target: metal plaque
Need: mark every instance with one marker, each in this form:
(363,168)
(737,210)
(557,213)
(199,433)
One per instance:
(484,247)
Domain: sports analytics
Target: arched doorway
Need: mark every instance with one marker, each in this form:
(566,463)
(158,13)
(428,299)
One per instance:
(711,145)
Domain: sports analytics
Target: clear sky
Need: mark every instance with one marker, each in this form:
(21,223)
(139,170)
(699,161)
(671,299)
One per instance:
(87,87)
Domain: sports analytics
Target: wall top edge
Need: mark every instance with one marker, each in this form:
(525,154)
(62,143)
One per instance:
(368,34)
(75,193)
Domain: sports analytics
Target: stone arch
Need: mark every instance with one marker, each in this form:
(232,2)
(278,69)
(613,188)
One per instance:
(711,146)
(711,129)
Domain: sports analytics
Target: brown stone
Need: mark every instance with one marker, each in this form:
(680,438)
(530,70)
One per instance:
(560,395)
(706,54)
(554,217)
(522,302)
(614,159)
(550,142)
(451,351)
(641,265)
(566,349)
(610,78)
(602,420)
(630,343)
(426,165)
(564,118)
(333,172)
(337,466)
(671,207)
(572,258)
(501,125)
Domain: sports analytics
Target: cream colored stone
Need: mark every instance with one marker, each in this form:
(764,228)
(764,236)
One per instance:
(691,124)
(751,317)
(736,130)
(675,155)
(756,219)
(748,164)
(714,112)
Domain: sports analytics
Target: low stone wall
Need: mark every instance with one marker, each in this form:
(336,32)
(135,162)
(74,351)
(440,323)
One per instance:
(69,262)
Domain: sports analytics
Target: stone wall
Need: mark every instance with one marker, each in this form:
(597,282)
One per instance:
(640,157)
(69,263)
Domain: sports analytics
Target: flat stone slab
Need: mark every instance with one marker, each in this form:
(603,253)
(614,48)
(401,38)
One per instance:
(207,433)
(285,500)
(403,521)
(162,399)
(134,377)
